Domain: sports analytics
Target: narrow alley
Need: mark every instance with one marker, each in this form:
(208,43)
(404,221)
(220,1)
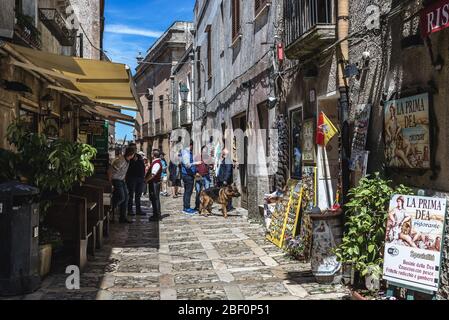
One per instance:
(190,258)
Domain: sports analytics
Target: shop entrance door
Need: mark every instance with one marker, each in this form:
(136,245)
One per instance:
(239,122)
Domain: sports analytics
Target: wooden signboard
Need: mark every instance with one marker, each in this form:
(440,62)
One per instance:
(286,214)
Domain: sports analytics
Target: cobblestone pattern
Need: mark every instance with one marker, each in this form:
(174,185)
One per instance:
(190,258)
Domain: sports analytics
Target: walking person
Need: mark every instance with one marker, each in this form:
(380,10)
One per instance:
(203,179)
(225,174)
(164,176)
(153,178)
(147,167)
(174,170)
(188,171)
(117,175)
(135,180)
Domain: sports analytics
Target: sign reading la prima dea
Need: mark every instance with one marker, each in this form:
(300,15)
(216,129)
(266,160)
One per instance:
(413,242)
(407,134)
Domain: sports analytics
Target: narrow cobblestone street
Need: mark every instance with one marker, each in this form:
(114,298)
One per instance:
(190,258)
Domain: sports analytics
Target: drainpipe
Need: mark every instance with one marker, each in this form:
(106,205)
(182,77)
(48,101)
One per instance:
(343,57)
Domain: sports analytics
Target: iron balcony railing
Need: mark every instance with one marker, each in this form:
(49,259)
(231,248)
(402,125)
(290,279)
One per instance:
(58,26)
(27,31)
(303,15)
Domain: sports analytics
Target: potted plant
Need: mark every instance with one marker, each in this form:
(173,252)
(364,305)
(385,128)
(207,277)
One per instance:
(363,243)
(54,166)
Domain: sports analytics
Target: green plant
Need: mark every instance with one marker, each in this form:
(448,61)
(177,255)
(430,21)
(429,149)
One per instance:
(366,214)
(50,165)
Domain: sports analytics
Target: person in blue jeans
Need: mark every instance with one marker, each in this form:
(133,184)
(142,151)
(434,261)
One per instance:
(117,175)
(188,170)
(203,178)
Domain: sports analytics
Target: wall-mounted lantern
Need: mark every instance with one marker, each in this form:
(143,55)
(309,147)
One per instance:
(184,91)
(47,103)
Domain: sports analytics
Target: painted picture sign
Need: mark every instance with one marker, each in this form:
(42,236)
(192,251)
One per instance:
(286,214)
(434,18)
(361,123)
(407,134)
(308,142)
(413,242)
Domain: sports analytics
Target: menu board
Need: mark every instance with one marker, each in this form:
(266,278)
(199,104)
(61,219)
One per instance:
(413,242)
(286,214)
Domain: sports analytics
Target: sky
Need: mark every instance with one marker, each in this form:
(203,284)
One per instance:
(132,26)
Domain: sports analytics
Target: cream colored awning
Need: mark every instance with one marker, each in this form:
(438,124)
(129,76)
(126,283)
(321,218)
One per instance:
(100,81)
(108,114)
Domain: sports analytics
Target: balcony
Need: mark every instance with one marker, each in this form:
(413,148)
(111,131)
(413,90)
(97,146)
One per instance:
(57,25)
(309,27)
(186,117)
(27,32)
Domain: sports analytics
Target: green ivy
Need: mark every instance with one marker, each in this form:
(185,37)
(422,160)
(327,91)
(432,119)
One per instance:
(366,214)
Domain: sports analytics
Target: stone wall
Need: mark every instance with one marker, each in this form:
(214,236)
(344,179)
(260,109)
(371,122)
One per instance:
(393,69)
(239,82)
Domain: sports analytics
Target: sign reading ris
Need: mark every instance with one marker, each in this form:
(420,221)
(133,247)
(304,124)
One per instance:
(413,242)
(434,18)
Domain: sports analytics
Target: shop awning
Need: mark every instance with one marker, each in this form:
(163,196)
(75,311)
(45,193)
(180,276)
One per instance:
(109,114)
(100,81)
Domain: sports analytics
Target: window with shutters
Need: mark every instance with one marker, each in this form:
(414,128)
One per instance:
(235,19)
(259,5)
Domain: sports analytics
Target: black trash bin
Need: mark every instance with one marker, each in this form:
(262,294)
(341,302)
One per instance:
(19,239)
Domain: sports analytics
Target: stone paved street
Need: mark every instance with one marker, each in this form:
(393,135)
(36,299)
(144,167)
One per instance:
(186,257)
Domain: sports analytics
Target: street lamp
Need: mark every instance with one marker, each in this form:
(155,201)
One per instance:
(68,114)
(139,58)
(47,102)
(184,90)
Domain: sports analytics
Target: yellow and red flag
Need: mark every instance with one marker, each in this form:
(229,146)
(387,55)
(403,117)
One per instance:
(326,130)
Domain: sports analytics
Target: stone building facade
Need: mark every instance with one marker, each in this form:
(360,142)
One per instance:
(235,51)
(156,86)
(41,25)
(402,64)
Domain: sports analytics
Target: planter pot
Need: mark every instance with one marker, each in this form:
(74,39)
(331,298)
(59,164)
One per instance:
(327,234)
(45,253)
(357,296)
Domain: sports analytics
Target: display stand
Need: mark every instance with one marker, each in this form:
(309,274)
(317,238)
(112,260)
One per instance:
(286,215)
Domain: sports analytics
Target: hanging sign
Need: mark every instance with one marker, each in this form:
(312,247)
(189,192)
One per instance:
(407,134)
(434,18)
(88,126)
(308,142)
(413,242)
(361,124)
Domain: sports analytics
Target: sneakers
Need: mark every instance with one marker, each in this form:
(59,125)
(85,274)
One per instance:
(190,211)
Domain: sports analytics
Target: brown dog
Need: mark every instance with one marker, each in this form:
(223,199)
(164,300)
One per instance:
(218,195)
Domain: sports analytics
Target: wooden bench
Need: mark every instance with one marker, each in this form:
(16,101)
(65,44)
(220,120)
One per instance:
(68,215)
(107,200)
(95,212)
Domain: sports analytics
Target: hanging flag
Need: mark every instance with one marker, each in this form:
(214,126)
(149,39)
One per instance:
(326,130)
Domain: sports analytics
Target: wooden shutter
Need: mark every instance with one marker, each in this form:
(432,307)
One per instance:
(235,18)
